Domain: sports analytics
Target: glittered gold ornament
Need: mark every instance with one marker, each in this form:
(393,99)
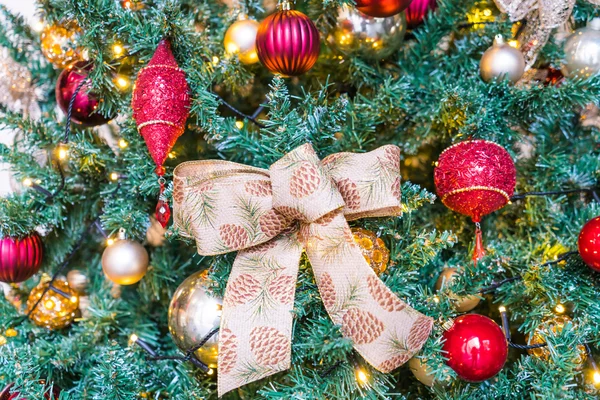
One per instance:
(582,51)
(125,262)
(57,308)
(133,5)
(421,371)
(554,325)
(193,313)
(59,44)
(461,303)
(502,61)
(77,280)
(359,34)
(240,39)
(155,235)
(374,251)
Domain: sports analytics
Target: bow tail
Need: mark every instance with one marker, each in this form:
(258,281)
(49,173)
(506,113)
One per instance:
(384,329)
(256,324)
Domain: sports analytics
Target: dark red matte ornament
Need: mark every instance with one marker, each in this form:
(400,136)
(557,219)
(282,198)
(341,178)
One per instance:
(381,8)
(20,259)
(589,244)
(476,347)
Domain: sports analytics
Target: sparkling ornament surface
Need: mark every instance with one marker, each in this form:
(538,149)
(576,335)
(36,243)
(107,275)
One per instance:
(461,303)
(56,310)
(417,10)
(193,313)
(369,37)
(78,281)
(502,61)
(240,39)
(125,262)
(588,243)
(288,43)
(476,347)
(374,250)
(554,325)
(381,8)
(161,103)
(20,259)
(475,178)
(59,44)
(582,51)
(86,101)
(421,371)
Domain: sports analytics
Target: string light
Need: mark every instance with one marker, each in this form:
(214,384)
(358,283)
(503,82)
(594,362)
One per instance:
(62,151)
(110,241)
(513,43)
(133,338)
(123,143)
(38,26)
(27,182)
(596,378)
(172,155)
(239,124)
(361,376)
(502,309)
(114,176)
(215,60)
(118,50)
(122,82)
(559,308)
(210,371)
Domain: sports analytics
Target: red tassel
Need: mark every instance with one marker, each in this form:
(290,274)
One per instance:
(478,250)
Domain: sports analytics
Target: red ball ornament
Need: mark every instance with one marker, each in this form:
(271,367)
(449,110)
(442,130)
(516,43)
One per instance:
(475,178)
(86,101)
(20,259)
(161,103)
(6,395)
(476,347)
(417,10)
(589,244)
(287,42)
(381,8)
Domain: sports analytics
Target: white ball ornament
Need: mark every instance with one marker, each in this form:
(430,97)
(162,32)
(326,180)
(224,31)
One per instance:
(582,51)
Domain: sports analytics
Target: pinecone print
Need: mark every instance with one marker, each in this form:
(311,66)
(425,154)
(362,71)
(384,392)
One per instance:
(349,193)
(262,248)
(392,363)
(419,332)
(205,186)
(305,180)
(391,155)
(383,296)
(361,326)
(327,218)
(332,159)
(283,289)
(178,187)
(260,188)
(243,289)
(396,188)
(291,213)
(269,346)
(272,223)
(304,233)
(227,351)
(349,237)
(327,290)
(234,236)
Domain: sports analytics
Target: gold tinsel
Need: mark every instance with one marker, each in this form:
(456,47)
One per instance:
(374,251)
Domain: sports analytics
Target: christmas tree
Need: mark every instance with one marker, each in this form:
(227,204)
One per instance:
(326,199)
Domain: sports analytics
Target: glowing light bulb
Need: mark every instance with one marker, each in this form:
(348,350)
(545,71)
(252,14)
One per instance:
(123,143)
(110,241)
(133,339)
(239,124)
(596,377)
(27,182)
(63,152)
(118,50)
(513,43)
(172,155)
(74,299)
(122,82)
(502,309)
(210,371)
(487,12)
(114,176)
(361,376)
(559,308)
(215,60)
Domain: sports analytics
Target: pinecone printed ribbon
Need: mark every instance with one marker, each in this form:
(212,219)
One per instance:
(270,217)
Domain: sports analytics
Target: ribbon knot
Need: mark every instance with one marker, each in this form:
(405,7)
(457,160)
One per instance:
(227,207)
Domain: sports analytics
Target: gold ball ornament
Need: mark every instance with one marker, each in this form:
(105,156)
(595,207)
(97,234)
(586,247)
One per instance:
(155,235)
(240,39)
(57,308)
(502,61)
(373,38)
(193,313)
(461,303)
(582,51)
(125,262)
(555,325)
(421,371)
(374,251)
(59,44)
(78,281)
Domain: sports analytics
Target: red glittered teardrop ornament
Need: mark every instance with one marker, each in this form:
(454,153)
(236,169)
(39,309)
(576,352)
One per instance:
(161,102)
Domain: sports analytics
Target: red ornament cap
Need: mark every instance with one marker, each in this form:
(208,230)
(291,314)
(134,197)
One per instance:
(381,8)
(475,178)
(589,244)
(476,347)
(161,102)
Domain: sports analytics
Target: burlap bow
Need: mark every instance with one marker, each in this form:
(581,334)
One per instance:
(541,17)
(227,207)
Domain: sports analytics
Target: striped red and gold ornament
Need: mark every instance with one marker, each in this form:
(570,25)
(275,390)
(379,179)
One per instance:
(475,178)
(21,258)
(288,42)
(161,102)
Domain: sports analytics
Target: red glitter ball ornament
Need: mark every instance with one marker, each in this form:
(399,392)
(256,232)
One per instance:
(475,178)
(20,259)
(86,102)
(476,347)
(417,10)
(287,42)
(161,103)
(589,244)
(381,8)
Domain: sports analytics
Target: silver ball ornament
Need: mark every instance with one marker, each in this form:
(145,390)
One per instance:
(77,280)
(125,262)
(582,51)
(369,37)
(502,60)
(193,313)
(240,39)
